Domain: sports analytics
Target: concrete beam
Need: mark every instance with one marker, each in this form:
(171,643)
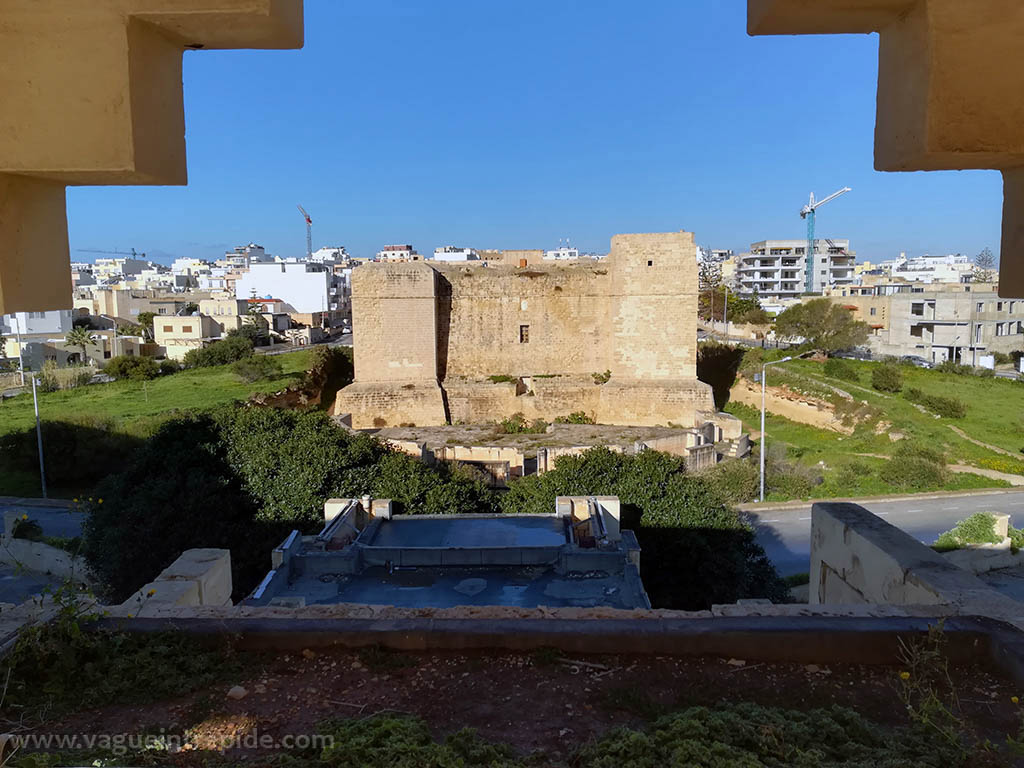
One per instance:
(821,17)
(111,71)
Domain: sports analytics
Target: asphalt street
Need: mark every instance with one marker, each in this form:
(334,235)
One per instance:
(785,534)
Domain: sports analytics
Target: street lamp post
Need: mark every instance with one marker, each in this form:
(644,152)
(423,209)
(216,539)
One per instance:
(21,355)
(764,371)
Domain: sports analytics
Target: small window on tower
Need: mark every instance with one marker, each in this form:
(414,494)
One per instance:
(650,263)
(524,334)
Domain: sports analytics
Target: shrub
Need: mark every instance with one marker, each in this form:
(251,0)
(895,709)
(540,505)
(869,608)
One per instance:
(135,368)
(985,373)
(735,481)
(46,380)
(1001,358)
(516,424)
(949,407)
(167,367)
(908,450)
(602,378)
(219,352)
(955,368)
(257,367)
(887,378)
(850,473)
(25,528)
(979,528)
(576,417)
(914,473)
(501,378)
(837,368)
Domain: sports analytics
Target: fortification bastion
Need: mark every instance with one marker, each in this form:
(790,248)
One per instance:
(616,338)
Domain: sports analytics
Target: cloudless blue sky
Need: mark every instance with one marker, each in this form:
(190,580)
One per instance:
(513,124)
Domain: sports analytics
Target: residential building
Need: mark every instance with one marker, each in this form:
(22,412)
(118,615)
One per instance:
(452,253)
(119,268)
(953,268)
(177,335)
(330,255)
(301,287)
(951,321)
(563,253)
(55,322)
(776,269)
(398,253)
(244,255)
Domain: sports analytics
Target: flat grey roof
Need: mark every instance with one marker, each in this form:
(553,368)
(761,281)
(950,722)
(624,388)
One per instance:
(477,532)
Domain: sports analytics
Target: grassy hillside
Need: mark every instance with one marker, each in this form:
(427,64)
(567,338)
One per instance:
(850,464)
(126,410)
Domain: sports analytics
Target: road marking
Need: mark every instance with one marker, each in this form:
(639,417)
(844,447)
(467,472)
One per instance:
(805,518)
(881,514)
(772,521)
(912,511)
(951,509)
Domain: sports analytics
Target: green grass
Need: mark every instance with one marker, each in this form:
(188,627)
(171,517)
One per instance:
(137,408)
(836,456)
(131,408)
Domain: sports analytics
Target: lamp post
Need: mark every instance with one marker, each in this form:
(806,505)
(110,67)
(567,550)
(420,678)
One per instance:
(764,371)
(21,356)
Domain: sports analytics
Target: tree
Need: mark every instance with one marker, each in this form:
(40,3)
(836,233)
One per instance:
(146,321)
(984,267)
(134,367)
(825,325)
(190,308)
(709,283)
(80,337)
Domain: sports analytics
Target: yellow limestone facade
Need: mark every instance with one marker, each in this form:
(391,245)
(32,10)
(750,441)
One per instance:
(428,337)
(91,93)
(950,89)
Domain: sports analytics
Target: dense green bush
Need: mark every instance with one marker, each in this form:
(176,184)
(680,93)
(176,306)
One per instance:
(949,407)
(985,373)
(167,367)
(837,368)
(241,478)
(908,450)
(735,481)
(134,367)
(979,528)
(887,378)
(257,367)
(951,366)
(219,352)
(696,549)
(914,474)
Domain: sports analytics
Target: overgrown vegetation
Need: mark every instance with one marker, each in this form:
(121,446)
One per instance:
(51,378)
(221,352)
(915,468)
(576,417)
(241,478)
(257,368)
(979,528)
(887,378)
(696,549)
(133,367)
(516,424)
(948,407)
(823,324)
(602,378)
(837,368)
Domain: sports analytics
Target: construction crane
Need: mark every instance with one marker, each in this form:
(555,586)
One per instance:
(133,253)
(807,212)
(309,232)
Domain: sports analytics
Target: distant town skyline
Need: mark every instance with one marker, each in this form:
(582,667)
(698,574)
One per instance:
(490,127)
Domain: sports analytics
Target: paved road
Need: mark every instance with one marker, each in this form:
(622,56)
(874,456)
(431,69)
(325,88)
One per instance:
(785,534)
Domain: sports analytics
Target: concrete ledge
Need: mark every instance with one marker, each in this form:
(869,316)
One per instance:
(807,639)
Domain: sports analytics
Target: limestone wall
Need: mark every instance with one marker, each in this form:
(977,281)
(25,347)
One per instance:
(391,403)
(394,320)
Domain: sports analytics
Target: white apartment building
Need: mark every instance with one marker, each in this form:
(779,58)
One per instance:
(114,269)
(56,321)
(398,253)
(329,254)
(777,269)
(452,253)
(304,288)
(953,268)
(563,253)
(244,255)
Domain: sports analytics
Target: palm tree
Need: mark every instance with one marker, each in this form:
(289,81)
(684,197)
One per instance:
(80,337)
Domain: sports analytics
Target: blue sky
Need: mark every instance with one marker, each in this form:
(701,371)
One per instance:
(511,125)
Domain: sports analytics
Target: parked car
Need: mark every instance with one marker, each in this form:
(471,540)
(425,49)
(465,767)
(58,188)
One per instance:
(856,353)
(915,360)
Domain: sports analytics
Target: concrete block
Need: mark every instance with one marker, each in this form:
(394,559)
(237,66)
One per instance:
(164,593)
(210,569)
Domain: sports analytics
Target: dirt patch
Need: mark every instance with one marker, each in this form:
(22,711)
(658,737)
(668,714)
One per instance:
(536,702)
